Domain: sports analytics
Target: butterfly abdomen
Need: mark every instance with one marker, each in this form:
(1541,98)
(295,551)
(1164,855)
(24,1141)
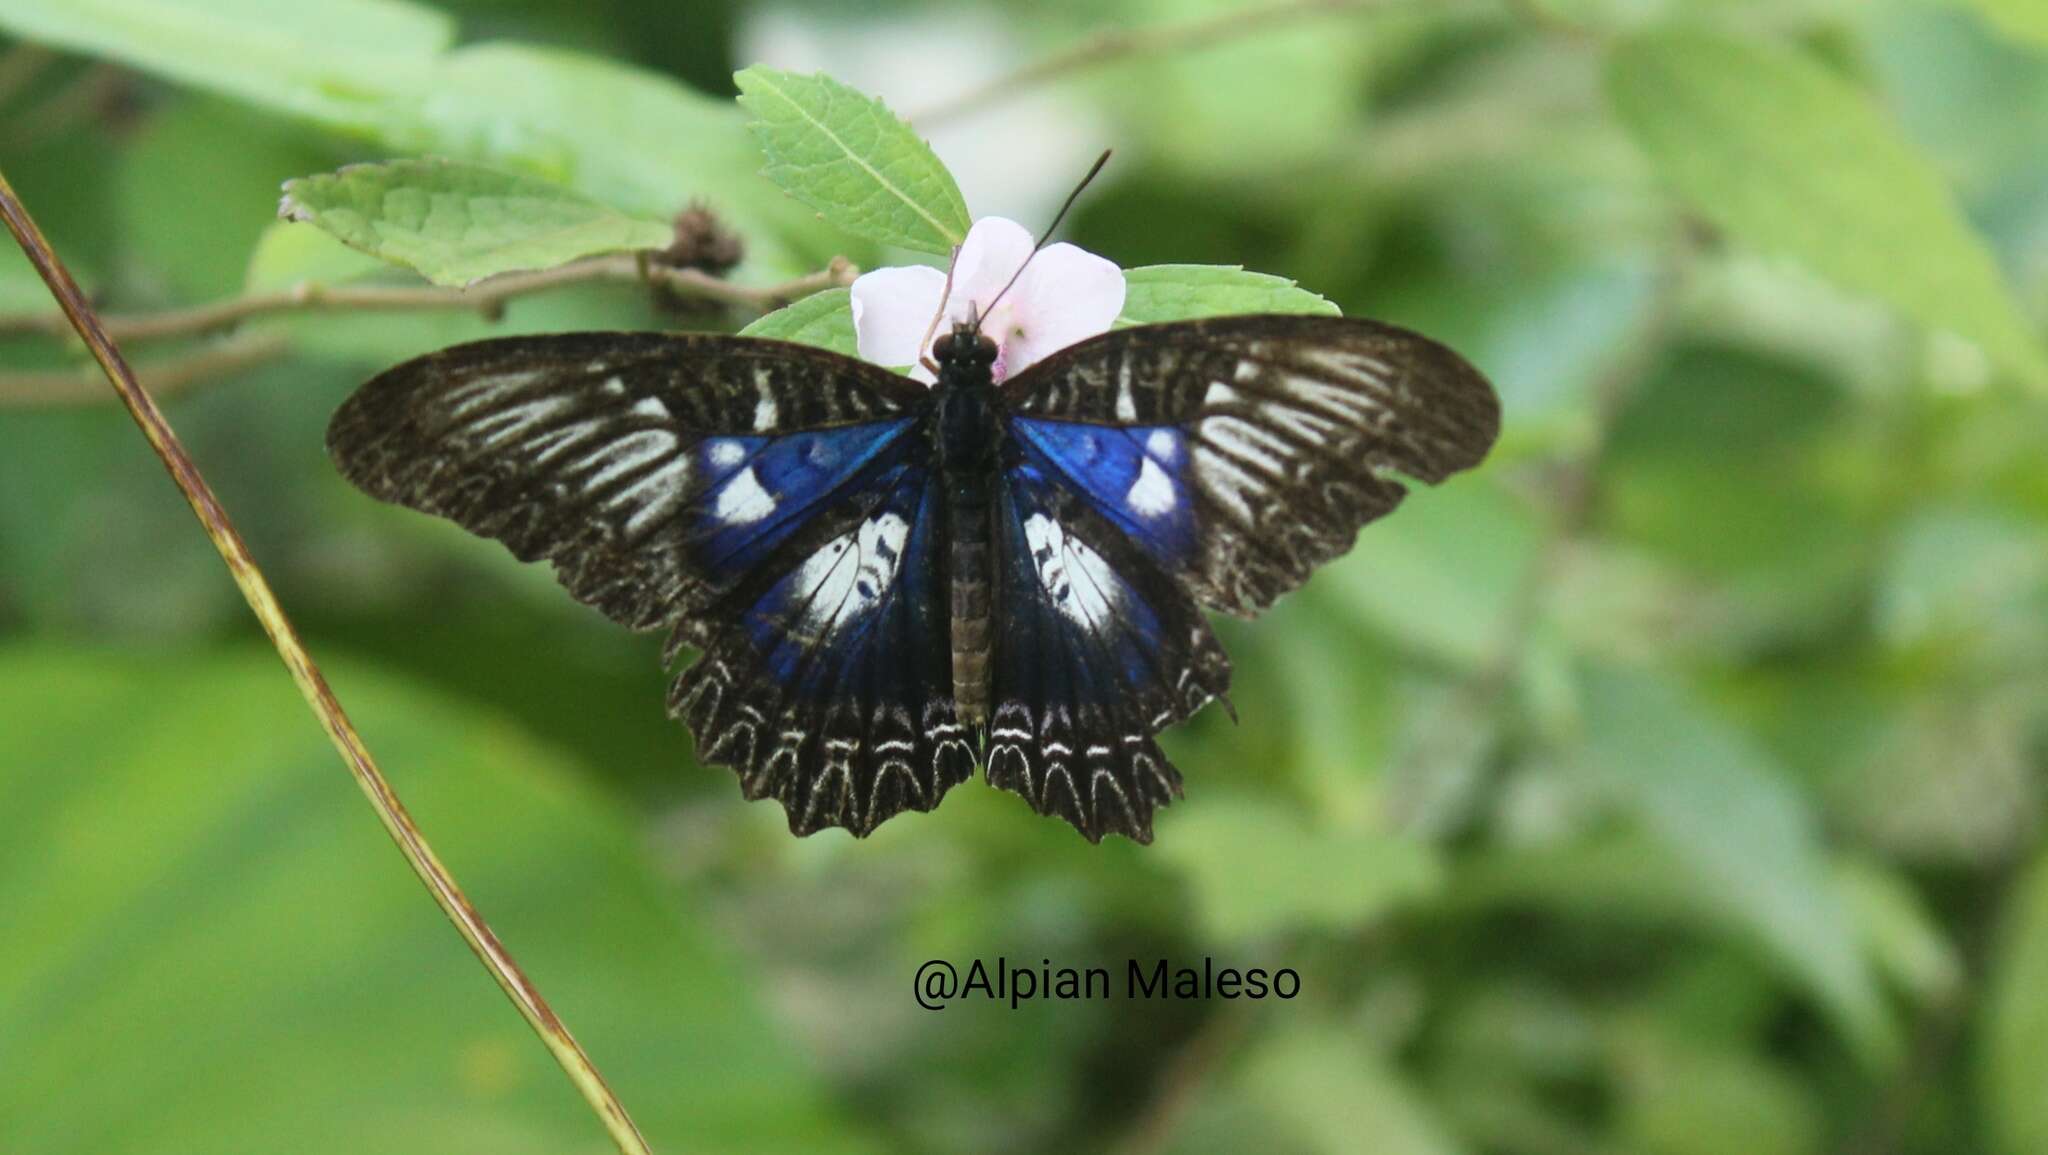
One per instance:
(969,442)
(968,565)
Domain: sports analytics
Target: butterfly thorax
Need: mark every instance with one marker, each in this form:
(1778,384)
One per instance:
(968,433)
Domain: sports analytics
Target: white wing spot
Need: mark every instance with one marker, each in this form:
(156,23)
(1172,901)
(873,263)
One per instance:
(742,501)
(613,385)
(1163,444)
(650,407)
(835,592)
(1080,583)
(723,453)
(1153,493)
(764,410)
(1221,394)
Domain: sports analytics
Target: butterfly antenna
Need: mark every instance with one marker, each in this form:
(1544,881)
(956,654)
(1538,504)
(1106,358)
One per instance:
(945,294)
(1045,237)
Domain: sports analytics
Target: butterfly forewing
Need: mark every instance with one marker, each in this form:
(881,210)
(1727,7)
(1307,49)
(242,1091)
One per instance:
(617,455)
(767,502)
(1245,451)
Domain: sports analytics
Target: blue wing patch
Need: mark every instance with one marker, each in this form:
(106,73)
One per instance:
(760,490)
(1136,476)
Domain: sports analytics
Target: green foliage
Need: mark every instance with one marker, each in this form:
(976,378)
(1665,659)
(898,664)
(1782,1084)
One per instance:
(456,224)
(1185,292)
(331,62)
(382,69)
(228,948)
(1639,792)
(1790,158)
(1317,1090)
(1257,869)
(2022,20)
(846,155)
(2012,1059)
(822,319)
(1730,819)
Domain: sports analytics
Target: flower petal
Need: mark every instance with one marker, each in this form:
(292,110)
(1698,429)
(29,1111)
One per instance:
(988,259)
(1067,295)
(892,310)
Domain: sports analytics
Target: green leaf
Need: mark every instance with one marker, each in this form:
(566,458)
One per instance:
(632,139)
(1315,1089)
(1441,575)
(824,319)
(1900,933)
(2022,20)
(290,255)
(2012,1066)
(457,223)
(1681,1096)
(861,166)
(1749,841)
(211,942)
(1155,293)
(338,61)
(381,69)
(1791,159)
(1257,868)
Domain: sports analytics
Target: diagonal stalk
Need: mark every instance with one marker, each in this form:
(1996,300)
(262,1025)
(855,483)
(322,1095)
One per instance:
(399,824)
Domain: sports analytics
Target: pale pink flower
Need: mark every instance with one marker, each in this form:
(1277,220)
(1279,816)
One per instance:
(1066,295)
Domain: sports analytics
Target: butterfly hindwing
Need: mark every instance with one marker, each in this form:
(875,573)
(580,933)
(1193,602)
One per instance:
(1243,452)
(649,468)
(823,682)
(1098,648)
(724,489)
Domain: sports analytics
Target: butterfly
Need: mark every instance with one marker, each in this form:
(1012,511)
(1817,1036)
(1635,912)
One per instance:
(889,584)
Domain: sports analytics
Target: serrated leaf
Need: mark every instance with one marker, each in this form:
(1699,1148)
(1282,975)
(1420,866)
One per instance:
(203,914)
(1257,868)
(1154,293)
(290,255)
(1750,842)
(457,223)
(824,319)
(1791,159)
(846,155)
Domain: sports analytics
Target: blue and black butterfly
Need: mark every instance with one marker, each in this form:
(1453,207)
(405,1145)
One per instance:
(888,583)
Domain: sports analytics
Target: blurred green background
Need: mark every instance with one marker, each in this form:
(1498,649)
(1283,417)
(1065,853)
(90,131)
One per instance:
(1672,785)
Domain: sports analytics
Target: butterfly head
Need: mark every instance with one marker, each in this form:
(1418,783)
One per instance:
(964,352)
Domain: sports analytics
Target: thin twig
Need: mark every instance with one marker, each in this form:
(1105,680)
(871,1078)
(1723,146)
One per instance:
(313,685)
(488,297)
(1119,43)
(66,389)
